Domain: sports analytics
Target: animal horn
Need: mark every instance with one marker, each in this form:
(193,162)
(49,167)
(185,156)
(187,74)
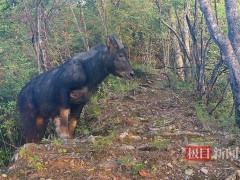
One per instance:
(120,46)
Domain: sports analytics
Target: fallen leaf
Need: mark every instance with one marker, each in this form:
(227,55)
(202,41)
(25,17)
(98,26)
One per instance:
(144,174)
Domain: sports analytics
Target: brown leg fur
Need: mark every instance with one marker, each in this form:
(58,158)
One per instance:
(63,129)
(72,126)
(75,113)
(41,125)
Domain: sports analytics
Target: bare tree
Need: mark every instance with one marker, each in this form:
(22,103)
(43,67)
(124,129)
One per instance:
(179,65)
(194,49)
(229,45)
(85,41)
(101,7)
(187,62)
(43,57)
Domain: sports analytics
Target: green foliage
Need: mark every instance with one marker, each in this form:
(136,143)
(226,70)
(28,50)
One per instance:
(161,144)
(62,151)
(57,141)
(105,141)
(201,112)
(177,85)
(35,163)
(5,156)
(131,165)
(22,152)
(86,132)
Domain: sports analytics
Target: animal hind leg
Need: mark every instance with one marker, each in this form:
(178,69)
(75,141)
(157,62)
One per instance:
(41,124)
(33,127)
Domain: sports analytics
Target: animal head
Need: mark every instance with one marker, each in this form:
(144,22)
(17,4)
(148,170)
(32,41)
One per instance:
(120,65)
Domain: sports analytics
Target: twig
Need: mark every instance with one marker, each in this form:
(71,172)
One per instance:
(221,99)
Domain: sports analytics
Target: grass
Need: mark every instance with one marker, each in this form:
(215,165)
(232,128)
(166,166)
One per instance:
(160,122)
(176,84)
(130,164)
(35,163)
(161,144)
(221,121)
(142,68)
(105,141)
(201,112)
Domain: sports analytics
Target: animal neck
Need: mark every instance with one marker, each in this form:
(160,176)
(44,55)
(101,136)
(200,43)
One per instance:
(97,69)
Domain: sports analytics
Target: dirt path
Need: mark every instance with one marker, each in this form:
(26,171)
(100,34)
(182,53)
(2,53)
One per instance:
(141,134)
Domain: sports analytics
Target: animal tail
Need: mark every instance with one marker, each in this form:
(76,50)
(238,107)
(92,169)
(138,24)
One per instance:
(28,113)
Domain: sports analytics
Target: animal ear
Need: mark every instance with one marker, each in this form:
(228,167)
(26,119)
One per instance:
(113,44)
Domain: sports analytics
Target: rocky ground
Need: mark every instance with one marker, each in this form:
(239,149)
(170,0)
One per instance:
(139,134)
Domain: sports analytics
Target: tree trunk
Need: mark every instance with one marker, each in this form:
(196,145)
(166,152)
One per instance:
(187,62)
(228,45)
(197,54)
(178,58)
(43,58)
(82,19)
(102,14)
(32,26)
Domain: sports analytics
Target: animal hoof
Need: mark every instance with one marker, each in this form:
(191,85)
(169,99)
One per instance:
(64,138)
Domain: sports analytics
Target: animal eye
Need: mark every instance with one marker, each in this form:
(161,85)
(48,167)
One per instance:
(121,55)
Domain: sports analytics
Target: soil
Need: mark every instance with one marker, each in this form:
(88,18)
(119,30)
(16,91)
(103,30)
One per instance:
(139,134)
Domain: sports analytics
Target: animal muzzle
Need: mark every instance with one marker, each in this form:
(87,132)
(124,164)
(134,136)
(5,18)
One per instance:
(132,74)
(126,74)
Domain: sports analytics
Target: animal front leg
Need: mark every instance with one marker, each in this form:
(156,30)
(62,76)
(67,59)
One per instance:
(61,123)
(75,113)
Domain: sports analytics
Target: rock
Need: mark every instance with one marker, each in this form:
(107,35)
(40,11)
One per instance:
(234,176)
(147,148)
(189,172)
(129,97)
(136,138)
(91,138)
(127,147)
(238,173)
(4,175)
(170,165)
(83,140)
(123,135)
(109,164)
(204,170)
(183,150)
(155,129)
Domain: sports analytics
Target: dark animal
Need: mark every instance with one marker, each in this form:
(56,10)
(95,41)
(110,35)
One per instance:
(61,93)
